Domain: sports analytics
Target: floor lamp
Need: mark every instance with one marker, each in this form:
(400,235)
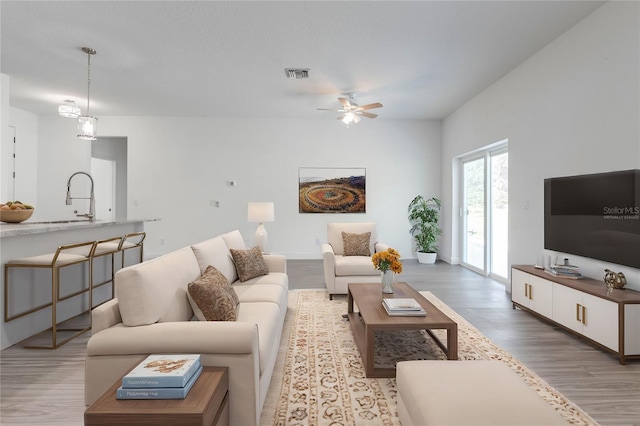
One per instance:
(261,212)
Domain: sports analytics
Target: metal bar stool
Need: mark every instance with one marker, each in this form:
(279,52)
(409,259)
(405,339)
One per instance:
(64,256)
(109,246)
(132,241)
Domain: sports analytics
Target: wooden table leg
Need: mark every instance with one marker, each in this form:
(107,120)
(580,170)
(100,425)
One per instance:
(452,342)
(369,341)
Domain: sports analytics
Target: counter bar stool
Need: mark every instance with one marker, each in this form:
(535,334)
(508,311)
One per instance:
(131,241)
(64,256)
(109,246)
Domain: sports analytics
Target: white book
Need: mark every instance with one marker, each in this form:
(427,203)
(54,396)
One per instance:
(405,313)
(162,371)
(407,304)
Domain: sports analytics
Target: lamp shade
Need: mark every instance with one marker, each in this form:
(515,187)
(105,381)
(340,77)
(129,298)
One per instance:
(69,109)
(260,212)
(87,127)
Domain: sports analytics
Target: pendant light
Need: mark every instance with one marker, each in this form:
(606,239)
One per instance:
(88,125)
(69,109)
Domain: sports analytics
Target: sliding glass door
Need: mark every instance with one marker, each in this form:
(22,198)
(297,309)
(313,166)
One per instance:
(485,211)
(474,213)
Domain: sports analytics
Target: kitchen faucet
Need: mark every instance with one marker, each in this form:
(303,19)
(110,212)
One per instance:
(92,203)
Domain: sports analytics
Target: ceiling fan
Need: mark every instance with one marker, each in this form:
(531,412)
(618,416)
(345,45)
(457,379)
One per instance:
(352,112)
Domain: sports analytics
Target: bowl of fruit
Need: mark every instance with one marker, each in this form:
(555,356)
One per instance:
(15,211)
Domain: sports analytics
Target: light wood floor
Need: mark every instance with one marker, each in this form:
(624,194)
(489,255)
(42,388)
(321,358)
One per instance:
(46,387)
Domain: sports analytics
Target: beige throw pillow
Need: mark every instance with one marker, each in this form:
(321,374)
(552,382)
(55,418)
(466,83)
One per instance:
(356,244)
(212,298)
(249,263)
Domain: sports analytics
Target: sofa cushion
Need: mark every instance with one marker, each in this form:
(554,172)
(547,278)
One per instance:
(356,244)
(249,263)
(156,290)
(215,252)
(234,240)
(334,234)
(355,265)
(261,293)
(431,392)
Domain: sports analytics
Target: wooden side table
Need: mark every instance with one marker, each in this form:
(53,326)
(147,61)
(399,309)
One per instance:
(207,403)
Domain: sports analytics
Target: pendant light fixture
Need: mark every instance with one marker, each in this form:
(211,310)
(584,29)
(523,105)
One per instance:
(88,125)
(69,109)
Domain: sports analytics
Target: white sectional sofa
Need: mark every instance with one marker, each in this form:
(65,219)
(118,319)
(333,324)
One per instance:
(152,314)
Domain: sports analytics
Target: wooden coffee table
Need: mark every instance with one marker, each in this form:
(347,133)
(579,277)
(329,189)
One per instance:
(372,317)
(207,403)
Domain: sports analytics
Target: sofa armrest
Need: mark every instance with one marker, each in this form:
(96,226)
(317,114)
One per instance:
(329,264)
(381,247)
(105,316)
(275,263)
(203,337)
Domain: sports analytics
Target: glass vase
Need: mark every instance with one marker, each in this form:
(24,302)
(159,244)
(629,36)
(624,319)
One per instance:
(387,281)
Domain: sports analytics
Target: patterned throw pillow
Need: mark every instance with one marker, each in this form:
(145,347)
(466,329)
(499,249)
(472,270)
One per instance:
(212,298)
(249,263)
(356,244)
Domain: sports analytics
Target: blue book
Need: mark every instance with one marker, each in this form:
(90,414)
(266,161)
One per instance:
(158,393)
(162,371)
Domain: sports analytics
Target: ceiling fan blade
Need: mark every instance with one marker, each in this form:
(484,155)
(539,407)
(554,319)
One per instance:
(325,109)
(345,102)
(368,114)
(342,116)
(370,106)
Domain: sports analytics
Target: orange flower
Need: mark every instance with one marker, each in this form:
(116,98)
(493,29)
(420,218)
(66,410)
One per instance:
(387,260)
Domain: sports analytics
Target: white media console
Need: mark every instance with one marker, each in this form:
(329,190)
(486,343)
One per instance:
(608,318)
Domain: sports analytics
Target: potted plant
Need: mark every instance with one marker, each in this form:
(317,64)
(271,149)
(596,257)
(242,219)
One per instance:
(423,217)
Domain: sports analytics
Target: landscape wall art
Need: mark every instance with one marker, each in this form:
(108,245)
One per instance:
(332,190)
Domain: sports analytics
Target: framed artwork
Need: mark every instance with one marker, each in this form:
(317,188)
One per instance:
(332,190)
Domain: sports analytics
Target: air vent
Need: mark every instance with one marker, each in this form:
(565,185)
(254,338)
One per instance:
(297,72)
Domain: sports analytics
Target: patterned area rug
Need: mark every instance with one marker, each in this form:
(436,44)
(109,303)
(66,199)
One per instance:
(319,377)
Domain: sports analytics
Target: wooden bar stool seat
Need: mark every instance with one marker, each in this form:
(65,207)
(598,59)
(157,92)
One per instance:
(64,256)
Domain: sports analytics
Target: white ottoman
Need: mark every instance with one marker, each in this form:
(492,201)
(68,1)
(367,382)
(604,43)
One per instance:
(468,393)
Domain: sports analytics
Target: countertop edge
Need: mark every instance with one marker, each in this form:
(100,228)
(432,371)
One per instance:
(26,228)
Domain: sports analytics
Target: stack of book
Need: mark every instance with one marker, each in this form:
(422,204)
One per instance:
(161,377)
(403,307)
(564,271)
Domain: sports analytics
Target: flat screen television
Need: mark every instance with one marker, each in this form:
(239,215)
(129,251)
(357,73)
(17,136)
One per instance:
(595,216)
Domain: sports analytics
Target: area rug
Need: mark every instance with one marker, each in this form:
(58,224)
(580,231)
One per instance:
(319,377)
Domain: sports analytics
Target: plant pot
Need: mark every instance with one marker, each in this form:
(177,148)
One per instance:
(426,257)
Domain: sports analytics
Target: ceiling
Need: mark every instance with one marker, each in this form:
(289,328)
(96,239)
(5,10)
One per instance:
(420,59)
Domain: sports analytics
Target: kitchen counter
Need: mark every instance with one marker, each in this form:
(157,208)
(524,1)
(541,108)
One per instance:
(30,228)
(27,239)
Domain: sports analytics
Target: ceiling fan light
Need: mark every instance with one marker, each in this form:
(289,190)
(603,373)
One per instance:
(87,127)
(348,118)
(356,118)
(69,109)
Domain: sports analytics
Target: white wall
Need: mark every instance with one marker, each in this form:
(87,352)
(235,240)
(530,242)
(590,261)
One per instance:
(176,166)
(573,108)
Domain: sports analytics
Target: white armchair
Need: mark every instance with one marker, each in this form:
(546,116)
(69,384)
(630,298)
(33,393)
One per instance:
(341,269)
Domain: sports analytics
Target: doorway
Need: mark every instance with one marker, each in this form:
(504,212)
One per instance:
(109,169)
(485,212)
(104,174)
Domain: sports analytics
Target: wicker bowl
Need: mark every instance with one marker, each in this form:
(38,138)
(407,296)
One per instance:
(15,216)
